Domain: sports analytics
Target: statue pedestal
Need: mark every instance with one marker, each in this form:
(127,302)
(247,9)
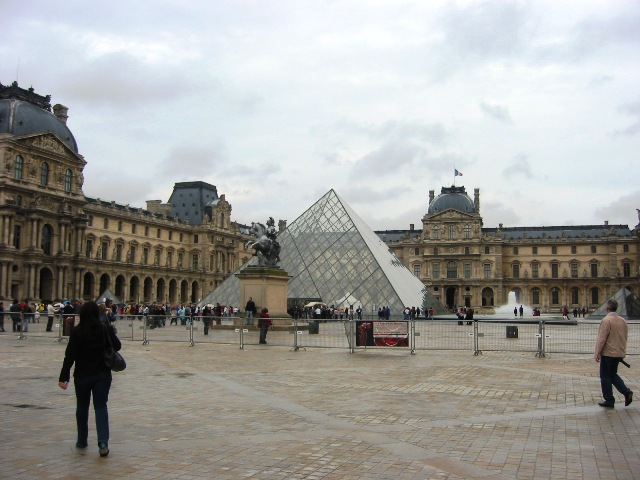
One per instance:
(269,287)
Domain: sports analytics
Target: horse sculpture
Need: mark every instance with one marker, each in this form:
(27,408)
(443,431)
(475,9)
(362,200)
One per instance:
(267,249)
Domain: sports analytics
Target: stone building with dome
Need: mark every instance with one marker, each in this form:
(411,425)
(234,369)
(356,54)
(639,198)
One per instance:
(57,243)
(464,264)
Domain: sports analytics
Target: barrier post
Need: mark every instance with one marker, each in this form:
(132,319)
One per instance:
(476,347)
(412,336)
(145,341)
(541,340)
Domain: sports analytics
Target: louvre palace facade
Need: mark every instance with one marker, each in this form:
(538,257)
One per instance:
(56,243)
(464,264)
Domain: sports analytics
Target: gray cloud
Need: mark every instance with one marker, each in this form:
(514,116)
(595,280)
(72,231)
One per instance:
(618,211)
(496,112)
(519,167)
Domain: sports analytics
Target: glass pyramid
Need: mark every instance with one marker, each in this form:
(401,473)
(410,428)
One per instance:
(332,255)
(628,306)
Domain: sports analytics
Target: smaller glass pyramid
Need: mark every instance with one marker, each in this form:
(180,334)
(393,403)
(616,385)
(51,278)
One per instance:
(332,255)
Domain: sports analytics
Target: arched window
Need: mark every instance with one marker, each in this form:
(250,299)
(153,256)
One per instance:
(68,178)
(575,296)
(45,242)
(555,296)
(18,167)
(44,174)
(535,295)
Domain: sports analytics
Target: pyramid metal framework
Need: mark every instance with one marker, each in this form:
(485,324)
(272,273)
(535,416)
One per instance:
(628,306)
(332,254)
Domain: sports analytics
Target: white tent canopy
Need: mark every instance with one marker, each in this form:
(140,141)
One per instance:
(348,300)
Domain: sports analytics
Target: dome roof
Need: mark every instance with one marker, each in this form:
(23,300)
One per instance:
(455,198)
(23,112)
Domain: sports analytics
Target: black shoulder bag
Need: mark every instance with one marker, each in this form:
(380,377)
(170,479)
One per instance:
(112,359)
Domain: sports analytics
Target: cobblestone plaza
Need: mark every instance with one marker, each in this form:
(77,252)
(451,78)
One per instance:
(267,412)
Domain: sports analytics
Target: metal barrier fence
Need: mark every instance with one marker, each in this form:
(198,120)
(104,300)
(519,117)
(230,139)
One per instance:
(541,337)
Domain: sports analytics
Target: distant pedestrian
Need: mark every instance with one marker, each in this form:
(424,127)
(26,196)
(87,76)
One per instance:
(250,310)
(521,311)
(611,346)
(2,317)
(515,312)
(264,322)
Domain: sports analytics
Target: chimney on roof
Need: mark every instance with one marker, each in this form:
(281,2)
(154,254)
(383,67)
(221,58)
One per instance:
(431,196)
(60,111)
(606,223)
(412,227)
(476,199)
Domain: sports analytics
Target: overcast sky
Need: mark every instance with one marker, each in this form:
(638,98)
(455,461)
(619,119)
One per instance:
(537,103)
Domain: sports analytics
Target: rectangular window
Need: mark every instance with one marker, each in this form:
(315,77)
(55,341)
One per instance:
(516,271)
(554,270)
(467,251)
(17,233)
(467,270)
(625,248)
(555,296)
(416,270)
(595,298)
(536,296)
(626,269)
(119,225)
(574,270)
(196,238)
(515,250)
(534,270)
(467,232)
(593,249)
(181,237)
(146,231)
(435,270)
(88,248)
(105,247)
(554,250)
(416,251)
(180,259)
(133,254)
(487,270)
(106,223)
(118,252)
(145,256)
(169,259)
(594,270)
(170,235)
(534,250)
(452,270)
(452,232)
(159,233)
(212,264)
(435,233)
(133,228)
(574,249)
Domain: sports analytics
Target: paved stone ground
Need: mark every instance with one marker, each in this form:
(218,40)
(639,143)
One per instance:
(266,412)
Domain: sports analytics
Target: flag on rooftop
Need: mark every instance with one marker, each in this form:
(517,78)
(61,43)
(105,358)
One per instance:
(458,173)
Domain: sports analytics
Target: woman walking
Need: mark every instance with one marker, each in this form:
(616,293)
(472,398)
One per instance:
(86,346)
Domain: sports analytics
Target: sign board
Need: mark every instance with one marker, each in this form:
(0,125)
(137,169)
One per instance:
(382,334)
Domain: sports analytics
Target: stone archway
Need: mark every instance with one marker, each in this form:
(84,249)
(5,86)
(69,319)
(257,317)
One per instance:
(487,297)
(46,284)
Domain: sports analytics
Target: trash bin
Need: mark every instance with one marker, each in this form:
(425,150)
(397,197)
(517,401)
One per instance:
(314,327)
(512,331)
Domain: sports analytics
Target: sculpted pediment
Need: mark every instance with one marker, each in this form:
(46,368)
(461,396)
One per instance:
(48,141)
(451,215)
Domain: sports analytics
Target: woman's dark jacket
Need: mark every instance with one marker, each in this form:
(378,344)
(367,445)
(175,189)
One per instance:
(86,350)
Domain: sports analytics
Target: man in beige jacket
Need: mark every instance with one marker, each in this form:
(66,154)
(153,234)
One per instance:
(611,347)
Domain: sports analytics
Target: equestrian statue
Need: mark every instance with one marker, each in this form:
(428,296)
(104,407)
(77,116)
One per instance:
(267,249)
